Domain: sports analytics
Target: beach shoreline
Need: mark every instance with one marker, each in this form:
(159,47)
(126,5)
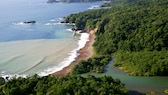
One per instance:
(84,53)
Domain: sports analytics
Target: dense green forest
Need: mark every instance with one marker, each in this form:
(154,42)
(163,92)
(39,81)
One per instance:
(155,62)
(69,85)
(139,27)
(94,64)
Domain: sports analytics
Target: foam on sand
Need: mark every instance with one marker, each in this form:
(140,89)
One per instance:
(34,56)
(41,57)
(72,56)
(19,23)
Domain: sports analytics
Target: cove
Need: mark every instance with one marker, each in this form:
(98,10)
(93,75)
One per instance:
(140,84)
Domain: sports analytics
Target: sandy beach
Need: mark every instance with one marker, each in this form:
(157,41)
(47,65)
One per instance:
(85,53)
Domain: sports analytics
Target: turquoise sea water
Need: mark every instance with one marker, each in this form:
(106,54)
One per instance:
(44,47)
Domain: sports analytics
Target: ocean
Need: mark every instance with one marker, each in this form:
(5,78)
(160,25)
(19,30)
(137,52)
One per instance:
(41,48)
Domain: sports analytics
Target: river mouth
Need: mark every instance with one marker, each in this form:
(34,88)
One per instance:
(137,85)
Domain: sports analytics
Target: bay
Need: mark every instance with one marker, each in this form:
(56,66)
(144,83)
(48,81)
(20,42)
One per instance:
(41,48)
(48,46)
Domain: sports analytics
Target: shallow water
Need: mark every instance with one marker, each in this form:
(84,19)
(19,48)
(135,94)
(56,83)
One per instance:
(136,83)
(44,47)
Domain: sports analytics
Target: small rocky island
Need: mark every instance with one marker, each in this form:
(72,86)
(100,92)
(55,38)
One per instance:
(30,22)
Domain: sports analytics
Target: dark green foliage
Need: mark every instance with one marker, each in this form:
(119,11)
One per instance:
(68,85)
(139,27)
(144,63)
(2,81)
(86,19)
(134,29)
(94,64)
(126,3)
(130,25)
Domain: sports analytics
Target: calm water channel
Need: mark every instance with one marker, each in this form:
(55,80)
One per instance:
(136,83)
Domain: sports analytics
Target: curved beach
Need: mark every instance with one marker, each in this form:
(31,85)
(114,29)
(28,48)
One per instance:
(84,53)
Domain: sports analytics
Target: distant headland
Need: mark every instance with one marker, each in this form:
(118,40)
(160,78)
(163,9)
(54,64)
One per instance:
(70,1)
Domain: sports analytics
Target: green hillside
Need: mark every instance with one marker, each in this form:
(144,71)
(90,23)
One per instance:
(139,27)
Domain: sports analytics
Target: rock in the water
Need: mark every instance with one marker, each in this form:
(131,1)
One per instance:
(51,1)
(30,22)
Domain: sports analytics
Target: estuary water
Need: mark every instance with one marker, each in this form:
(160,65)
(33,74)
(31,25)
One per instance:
(41,48)
(138,85)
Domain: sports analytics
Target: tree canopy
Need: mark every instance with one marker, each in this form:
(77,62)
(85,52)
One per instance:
(130,26)
(68,85)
